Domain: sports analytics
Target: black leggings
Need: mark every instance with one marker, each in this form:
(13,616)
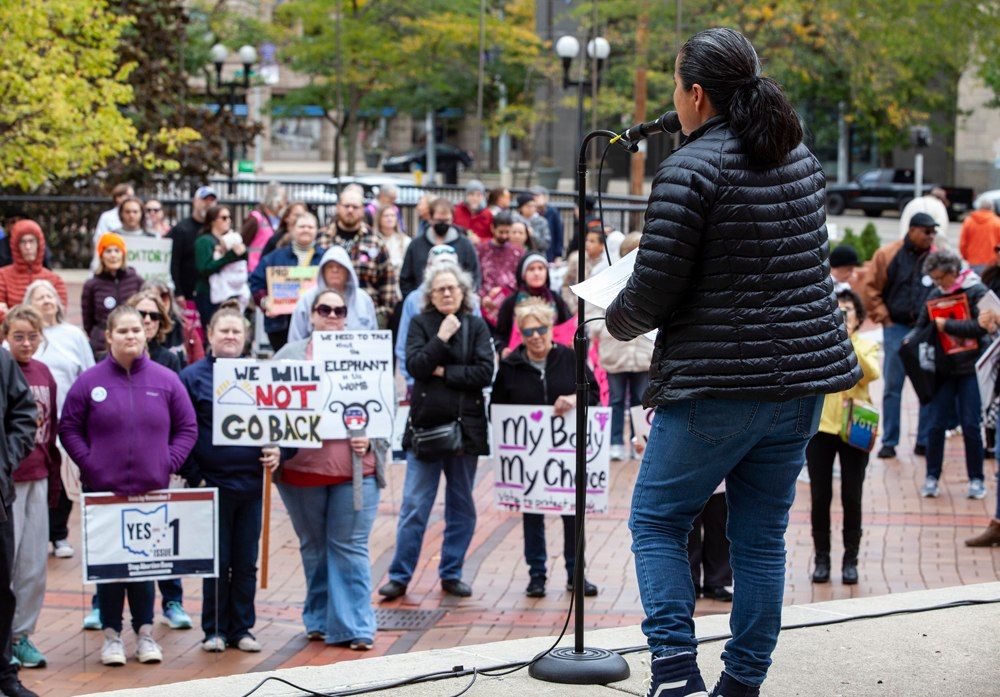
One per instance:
(820,453)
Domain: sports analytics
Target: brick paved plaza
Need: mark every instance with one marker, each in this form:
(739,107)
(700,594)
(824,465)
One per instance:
(909,544)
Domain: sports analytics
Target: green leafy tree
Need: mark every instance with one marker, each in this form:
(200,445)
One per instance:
(62,87)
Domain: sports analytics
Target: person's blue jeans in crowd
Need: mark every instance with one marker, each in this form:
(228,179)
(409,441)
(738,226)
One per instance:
(419,492)
(534,544)
(227,607)
(111,602)
(333,541)
(894,377)
(965,390)
(620,386)
(759,449)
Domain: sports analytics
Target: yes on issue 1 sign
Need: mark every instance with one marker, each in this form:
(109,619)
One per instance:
(162,534)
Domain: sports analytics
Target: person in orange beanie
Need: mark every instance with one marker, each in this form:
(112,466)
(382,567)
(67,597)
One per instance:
(113,283)
(27,248)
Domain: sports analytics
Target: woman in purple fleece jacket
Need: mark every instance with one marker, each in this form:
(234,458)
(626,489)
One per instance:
(129,424)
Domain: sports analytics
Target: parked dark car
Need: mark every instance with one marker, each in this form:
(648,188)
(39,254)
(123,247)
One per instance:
(449,158)
(878,190)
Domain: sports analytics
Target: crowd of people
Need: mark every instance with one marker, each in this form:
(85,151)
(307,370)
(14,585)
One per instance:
(124,404)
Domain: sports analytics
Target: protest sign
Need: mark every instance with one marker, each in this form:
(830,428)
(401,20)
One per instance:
(150,257)
(286,284)
(642,421)
(535,459)
(362,394)
(267,402)
(162,534)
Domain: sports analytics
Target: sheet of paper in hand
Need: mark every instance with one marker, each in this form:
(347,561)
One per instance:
(601,288)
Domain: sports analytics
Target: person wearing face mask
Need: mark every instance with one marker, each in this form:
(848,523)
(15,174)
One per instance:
(473,214)
(335,272)
(37,484)
(227,614)
(113,283)
(332,495)
(955,372)
(128,424)
(894,292)
(441,231)
(303,251)
(27,247)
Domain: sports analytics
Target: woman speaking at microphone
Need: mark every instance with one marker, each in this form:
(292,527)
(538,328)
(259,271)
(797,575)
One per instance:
(732,270)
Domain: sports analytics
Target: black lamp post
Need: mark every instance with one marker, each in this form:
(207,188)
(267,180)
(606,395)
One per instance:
(567,48)
(219,54)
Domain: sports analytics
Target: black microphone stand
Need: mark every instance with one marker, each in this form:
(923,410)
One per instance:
(581,665)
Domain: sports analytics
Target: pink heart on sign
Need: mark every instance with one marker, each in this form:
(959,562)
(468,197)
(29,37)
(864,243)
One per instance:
(536,415)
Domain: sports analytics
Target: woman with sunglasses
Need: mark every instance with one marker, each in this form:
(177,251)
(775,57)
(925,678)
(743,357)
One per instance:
(155,220)
(544,373)
(332,494)
(179,338)
(156,324)
(220,257)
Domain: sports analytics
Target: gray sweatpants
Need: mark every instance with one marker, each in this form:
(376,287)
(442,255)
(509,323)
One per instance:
(31,549)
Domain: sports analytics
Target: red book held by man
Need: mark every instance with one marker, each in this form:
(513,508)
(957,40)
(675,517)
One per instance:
(952,307)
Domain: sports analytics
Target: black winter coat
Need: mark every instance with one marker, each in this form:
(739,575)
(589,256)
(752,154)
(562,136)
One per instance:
(17,428)
(963,363)
(519,382)
(733,271)
(435,400)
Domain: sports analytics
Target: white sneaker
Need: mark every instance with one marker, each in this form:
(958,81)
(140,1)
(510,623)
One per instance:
(214,644)
(147,650)
(248,644)
(62,549)
(113,651)
(617,452)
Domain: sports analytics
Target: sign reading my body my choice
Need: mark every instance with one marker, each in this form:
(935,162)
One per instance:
(535,459)
(348,385)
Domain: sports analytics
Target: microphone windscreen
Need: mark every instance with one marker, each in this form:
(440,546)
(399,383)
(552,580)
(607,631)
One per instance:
(671,122)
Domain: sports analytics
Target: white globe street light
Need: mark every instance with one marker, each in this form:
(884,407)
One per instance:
(598,48)
(567,47)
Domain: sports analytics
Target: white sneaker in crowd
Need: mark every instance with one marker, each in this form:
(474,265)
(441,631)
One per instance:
(214,644)
(248,644)
(147,650)
(617,452)
(62,549)
(113,651)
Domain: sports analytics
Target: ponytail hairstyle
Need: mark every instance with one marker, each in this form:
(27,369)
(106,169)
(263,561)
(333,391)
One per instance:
(725,64)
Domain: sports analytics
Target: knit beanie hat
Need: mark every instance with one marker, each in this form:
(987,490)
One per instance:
(110,239)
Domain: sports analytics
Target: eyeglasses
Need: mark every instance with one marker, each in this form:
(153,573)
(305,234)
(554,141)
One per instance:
(325,311)
(449,290)
(153,209)
(529,332)
(154,316)
(224,217)
(18,338)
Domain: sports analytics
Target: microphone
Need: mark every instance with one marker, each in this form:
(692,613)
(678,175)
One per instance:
(667,123)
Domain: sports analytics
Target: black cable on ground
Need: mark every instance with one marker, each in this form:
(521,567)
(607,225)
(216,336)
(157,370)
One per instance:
(462,671)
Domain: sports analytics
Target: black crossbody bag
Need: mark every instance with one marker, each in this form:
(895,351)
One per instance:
(435,442)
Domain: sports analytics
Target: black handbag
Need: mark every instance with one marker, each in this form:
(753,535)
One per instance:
(434,442)
(918,352)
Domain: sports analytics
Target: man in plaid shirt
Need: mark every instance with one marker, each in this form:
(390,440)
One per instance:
(368,253)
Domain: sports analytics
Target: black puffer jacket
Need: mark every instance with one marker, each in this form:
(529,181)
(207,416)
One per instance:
(733,271)
(436,400)
(519,382)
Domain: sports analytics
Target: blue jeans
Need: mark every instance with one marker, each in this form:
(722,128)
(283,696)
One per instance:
(227,608)
(419,492)
(534,543)
(618,384)
(894,376)
(111,603)
(759,449)
(964,389)
(333,541)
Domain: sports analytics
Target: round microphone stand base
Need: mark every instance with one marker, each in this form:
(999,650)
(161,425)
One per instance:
(589,667)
